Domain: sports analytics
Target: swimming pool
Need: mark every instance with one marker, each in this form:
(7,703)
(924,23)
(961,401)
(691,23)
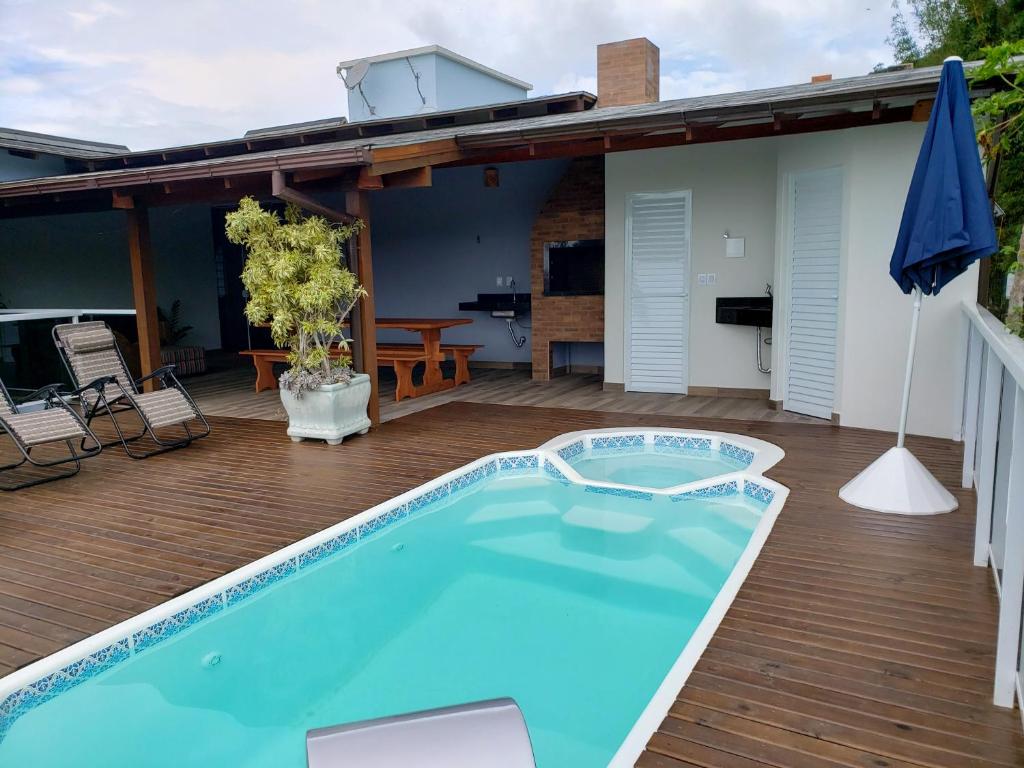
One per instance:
(588,601)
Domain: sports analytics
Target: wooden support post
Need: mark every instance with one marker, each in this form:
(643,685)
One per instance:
(144,291)
(358,205)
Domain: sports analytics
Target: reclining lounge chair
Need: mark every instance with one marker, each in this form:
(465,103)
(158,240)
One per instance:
(92,358)
(56,422)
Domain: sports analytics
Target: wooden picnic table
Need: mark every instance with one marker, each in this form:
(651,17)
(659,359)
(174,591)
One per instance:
(429,329)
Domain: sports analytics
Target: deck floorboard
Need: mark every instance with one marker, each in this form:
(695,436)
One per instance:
(858,640)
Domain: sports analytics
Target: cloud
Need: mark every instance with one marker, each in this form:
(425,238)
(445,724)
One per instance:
(159,74)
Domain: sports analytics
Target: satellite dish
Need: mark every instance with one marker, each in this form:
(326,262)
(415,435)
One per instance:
(355,74)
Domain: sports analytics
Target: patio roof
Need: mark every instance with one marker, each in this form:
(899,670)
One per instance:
(561,125)
(61,146)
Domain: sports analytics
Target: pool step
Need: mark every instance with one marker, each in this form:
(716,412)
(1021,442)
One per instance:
(654,570)
(705,545)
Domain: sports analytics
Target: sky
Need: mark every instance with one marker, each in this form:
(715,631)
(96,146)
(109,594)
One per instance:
(149,73)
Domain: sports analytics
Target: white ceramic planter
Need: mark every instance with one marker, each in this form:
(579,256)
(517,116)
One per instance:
(329,413)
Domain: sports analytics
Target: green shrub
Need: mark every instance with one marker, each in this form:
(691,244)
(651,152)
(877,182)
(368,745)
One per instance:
(298,282)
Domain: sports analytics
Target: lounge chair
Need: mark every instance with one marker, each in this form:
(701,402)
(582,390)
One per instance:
(91,356)
(55,422)
(486,733)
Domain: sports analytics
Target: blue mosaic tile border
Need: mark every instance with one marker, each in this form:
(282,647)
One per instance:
(552,471)
(64,679)
(758,493)
(262,580)
(571,451)
(727,488)
(737,453)
(517,463)
(623,492)
(184,619)
(615,443)
(674,443)
(32,695)
(325,549)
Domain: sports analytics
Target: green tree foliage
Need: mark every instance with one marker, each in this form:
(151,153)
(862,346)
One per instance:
(931,30)
(1000,122)
(297,281)
(940,28)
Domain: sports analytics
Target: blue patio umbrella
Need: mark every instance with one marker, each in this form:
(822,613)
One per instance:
(947,226)
(947,219)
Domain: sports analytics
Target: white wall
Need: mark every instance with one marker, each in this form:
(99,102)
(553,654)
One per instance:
(740,186)
(875,328)
(733,187)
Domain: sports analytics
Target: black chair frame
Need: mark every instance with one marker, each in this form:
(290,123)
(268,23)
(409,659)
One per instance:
(52,398)
(121,402)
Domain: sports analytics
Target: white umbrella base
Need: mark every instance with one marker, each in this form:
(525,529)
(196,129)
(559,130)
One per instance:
(896,482)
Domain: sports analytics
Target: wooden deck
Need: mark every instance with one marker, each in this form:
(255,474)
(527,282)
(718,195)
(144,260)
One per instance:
(229,391)
(858,640)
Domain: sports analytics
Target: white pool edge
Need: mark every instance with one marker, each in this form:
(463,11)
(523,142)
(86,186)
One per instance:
(766,455)
(658,707)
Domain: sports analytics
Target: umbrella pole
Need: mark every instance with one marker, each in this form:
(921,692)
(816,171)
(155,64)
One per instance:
(905,407)
(896,481)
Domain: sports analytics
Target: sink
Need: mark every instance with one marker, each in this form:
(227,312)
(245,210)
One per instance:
(498,304)
(748,310)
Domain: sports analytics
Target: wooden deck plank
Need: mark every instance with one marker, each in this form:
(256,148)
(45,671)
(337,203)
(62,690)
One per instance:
(858,640)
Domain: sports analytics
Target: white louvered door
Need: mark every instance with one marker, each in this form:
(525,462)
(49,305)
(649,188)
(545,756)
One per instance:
(815,236)
(657,292)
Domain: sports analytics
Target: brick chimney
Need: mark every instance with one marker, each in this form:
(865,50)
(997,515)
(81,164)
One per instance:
(627,72)
(820,78)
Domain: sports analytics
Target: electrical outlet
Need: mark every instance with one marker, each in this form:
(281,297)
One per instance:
(498,281)
(702,278)
(712,278)
(508,281)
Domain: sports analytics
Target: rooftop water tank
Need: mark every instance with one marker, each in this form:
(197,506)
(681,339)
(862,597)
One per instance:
(423,80)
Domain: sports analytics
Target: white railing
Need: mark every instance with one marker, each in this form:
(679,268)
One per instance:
(16,315)
(993,434)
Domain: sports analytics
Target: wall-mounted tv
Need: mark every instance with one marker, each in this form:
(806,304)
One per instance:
(574,268)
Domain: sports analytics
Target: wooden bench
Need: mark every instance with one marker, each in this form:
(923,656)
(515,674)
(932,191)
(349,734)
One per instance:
(459,352)
(264,360)
(402,357)
(403,361)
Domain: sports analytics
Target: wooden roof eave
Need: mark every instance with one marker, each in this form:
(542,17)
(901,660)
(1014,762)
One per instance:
(226,167)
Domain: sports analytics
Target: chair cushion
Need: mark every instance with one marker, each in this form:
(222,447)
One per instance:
(164,407)
(88,340)
(48,426)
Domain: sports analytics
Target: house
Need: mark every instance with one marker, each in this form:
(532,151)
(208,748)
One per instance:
(661,223)
(26,155)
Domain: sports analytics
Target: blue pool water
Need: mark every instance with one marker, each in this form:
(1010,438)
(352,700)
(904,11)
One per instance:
(572,602)
(650,469)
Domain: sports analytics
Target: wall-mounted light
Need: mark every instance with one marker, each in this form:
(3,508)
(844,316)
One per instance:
(491,176)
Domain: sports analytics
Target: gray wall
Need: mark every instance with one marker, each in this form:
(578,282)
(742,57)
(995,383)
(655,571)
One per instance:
(81,261)
(13,167)
(436,246)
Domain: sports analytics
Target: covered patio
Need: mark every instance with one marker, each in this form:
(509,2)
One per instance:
(381,171)
(858,639)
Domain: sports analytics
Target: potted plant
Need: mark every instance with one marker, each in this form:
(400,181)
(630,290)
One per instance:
(298,283)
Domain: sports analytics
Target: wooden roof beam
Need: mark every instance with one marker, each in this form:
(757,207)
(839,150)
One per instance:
(122,201)
(279,188)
